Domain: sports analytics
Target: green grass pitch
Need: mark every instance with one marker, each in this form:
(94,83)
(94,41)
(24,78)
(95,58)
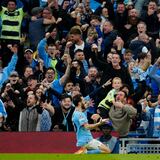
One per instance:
(79,157)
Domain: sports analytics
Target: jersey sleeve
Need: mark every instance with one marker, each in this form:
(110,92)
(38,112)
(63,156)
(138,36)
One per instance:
(82,119)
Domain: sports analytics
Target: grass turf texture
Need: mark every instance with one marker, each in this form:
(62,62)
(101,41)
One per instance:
(79,157)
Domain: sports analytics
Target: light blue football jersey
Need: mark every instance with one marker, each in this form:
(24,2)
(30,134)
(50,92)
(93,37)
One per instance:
(83,135)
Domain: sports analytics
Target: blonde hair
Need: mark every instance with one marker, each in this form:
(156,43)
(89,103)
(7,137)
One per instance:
(116,78)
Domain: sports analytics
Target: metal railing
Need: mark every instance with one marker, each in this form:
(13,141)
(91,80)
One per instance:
(139,145)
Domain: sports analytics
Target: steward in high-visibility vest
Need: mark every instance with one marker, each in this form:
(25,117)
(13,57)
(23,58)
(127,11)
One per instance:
(11,21)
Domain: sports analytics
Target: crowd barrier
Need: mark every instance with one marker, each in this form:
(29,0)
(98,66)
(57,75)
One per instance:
(139,145)
(39,142)
(65,142)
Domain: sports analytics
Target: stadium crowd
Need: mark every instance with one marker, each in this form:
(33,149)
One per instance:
(51,51)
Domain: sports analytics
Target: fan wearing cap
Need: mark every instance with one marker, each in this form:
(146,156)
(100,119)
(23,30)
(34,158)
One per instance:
(108,139)
(30,61)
